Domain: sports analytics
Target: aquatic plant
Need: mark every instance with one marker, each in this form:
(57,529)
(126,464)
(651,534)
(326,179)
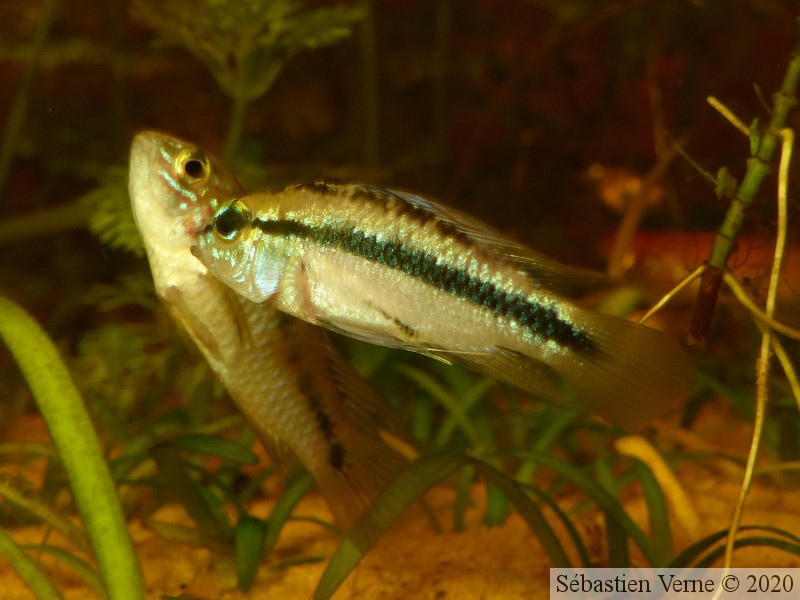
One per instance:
(245,44)
(169,432)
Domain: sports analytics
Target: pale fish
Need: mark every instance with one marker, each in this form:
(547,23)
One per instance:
(299,396)
(396,269)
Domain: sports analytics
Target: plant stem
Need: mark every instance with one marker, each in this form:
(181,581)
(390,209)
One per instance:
(758,167)
(370,86)
(74,437)
(27,568)
(763,365)
(22,99)
(233,139)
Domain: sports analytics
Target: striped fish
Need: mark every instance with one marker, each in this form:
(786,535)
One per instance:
(396,269)
(299,396)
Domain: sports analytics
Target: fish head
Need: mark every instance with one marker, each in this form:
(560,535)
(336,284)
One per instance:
(240,254)
(175,187)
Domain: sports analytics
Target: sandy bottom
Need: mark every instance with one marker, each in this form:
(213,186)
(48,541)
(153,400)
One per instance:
(412,561)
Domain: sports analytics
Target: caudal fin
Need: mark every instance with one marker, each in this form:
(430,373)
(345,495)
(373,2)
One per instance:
(630,375)
(633,374)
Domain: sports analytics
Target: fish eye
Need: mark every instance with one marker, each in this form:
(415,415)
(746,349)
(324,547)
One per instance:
(193,166)
(230,219)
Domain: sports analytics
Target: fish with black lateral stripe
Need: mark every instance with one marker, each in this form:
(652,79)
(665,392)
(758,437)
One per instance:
(298,394)
(396,269)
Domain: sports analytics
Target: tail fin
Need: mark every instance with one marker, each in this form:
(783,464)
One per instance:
(635,374)
(632,374)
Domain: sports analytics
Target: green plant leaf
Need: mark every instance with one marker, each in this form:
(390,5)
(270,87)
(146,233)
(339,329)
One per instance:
(210,521)
(757,541)
(41,511)
(454,408)
(660,530)
(249,541)
(80,566)
(691,554)
(28,570)
(299,487)
(616,536)
(409,485)
(597,494)
(80,451)
(216,446)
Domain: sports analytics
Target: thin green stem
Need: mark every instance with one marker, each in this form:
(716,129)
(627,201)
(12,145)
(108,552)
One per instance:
(27,568)
(233,138)
(763,365)
(22,99)
(74,437)
(370,86)
(758,167)
(44,514)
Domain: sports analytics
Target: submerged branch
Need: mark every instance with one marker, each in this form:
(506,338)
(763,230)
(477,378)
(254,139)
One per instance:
(758,167)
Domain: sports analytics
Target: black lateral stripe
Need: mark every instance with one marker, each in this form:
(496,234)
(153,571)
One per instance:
(305,385)
(541,320)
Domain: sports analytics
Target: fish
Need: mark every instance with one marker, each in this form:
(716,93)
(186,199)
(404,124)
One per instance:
(300,397)
(396,269)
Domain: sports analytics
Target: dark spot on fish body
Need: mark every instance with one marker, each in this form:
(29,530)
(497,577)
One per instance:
(336,456)
(323,420)
(305,385)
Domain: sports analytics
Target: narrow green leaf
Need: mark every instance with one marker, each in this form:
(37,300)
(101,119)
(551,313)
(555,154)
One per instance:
(462,500)
(758,541)
(474,394)
(43,512)
(404,490)
(81,567)
(601,497)
(572,531)
(250,534)
(283,508)
(28,570)
(216,446)
(658,514)
(693,552)
(211,523)
(559,422)
(616,537)
(755,136)
(34,449)
(496,507)
(439,393)
(73,436)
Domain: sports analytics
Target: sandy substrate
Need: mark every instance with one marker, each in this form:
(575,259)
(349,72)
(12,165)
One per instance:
(412,561)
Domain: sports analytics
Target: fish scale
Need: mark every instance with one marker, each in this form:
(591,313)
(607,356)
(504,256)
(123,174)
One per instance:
(299,396)
(399,270)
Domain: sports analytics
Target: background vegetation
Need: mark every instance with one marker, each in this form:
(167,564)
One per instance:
(533,115)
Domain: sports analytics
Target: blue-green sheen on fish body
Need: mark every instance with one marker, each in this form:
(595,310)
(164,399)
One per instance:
(395,269)
(542,321)
(298,395)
